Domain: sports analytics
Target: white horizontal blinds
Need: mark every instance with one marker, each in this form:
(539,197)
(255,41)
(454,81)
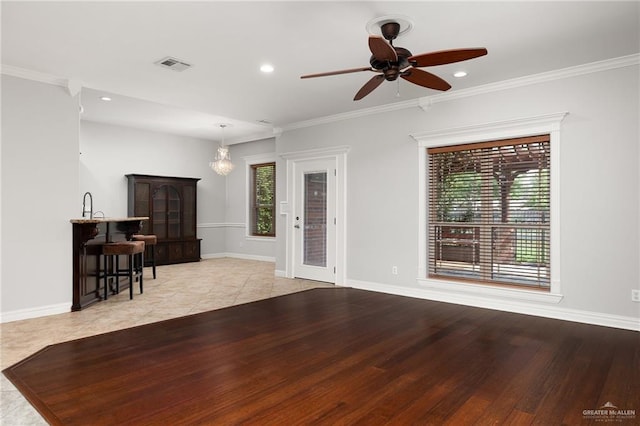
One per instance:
(489,211)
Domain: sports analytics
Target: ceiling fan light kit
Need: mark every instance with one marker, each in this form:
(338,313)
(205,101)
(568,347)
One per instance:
(391,62)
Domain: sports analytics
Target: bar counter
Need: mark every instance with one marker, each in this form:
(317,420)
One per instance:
(88,237)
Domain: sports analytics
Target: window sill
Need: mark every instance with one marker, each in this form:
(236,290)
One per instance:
(480,290)
(258,238)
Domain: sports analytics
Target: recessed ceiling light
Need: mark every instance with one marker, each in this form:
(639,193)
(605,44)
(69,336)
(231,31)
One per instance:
(105,98)
(460,74)
(266,68)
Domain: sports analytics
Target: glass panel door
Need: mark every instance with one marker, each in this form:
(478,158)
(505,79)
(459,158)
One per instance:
(314,224)
(315,219)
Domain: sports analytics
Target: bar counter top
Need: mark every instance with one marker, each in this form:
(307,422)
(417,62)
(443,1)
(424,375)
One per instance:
(108,219)
(89,234)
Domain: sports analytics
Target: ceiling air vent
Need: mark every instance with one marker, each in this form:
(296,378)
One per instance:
(173,64)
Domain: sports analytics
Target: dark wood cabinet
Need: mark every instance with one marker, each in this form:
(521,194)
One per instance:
(170,204)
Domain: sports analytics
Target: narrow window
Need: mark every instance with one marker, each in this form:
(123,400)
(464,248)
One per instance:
(263,195)
(489,212)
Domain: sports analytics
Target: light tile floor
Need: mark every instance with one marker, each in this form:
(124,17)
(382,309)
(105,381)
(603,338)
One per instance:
(179,290)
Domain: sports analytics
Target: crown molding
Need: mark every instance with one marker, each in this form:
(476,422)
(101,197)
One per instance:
(72,86)
(33,75)
(352,114)
(317,152)
(424,103)
(267,134)
(427,101)
(609,64)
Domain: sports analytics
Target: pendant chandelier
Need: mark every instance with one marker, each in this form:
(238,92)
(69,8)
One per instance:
(222,164)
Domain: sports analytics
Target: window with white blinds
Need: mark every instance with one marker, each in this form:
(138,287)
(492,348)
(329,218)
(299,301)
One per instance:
(489,212)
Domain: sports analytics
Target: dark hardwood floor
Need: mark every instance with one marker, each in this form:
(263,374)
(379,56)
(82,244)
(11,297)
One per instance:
(339,356)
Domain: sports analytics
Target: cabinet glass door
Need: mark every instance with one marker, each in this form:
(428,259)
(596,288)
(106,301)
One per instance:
(160,212)
(174,221)
(167,213)
(189,211)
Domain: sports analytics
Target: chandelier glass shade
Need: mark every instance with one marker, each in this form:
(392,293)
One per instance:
(222,164)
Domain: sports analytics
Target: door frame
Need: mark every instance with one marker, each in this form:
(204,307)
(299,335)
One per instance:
(339,155)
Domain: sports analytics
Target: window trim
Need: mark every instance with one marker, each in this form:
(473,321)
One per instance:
(483,219)
(549,123)
(250,161)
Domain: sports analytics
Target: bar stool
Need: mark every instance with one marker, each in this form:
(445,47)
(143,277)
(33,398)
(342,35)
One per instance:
(149,241)
(135,251)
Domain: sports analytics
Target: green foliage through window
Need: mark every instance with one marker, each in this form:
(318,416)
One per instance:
(263,185)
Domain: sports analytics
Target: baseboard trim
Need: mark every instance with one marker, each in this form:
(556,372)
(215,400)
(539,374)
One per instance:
(280,273)
(41,311)
(239,256)
(547,311)
(519,307)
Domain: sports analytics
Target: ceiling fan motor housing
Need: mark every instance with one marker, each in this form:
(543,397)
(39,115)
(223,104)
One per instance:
(392,70)
(390,30)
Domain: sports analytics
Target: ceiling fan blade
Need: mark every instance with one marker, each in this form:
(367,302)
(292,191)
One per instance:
(369,86)
(382,50)
(323,74)
(425,79)
(446,57)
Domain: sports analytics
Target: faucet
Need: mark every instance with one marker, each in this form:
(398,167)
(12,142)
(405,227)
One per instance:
(84,203)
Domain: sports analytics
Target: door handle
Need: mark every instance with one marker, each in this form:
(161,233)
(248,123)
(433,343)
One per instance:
(296,226)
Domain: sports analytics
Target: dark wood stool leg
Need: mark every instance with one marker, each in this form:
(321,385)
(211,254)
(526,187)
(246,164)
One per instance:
(105,275)
(153,260)
(131,260)
(117,274)
(141,259)
(150,242)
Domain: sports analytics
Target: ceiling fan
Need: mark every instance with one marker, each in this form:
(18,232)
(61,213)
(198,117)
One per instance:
(390,62)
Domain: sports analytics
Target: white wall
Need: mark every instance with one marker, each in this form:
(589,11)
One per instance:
(50,159)
(110,152)
(600,232)
(238,243)
(39,195)
(42,187)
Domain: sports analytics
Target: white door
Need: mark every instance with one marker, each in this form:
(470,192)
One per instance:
(314,219)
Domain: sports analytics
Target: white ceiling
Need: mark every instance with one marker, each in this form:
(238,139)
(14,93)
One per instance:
(111,47)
